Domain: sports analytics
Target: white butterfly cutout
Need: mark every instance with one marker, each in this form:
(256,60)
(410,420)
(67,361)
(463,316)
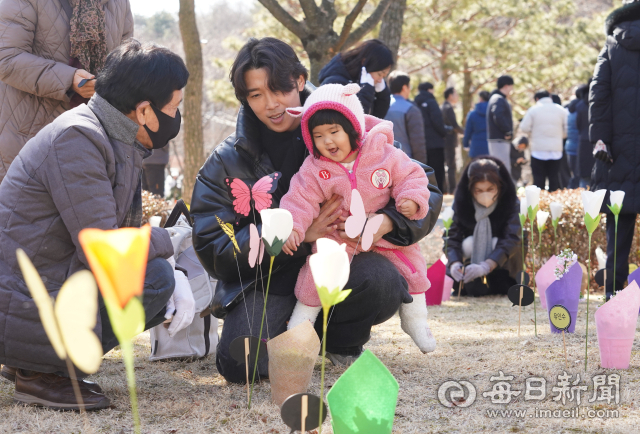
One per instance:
(256,246)
(358,223)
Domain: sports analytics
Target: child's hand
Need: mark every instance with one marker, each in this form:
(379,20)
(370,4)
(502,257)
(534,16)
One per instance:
(408,208)
(292,244)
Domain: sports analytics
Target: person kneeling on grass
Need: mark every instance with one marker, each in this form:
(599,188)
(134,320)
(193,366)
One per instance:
(84,171)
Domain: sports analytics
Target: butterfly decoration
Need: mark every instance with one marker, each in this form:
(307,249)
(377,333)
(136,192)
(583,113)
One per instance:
(358,223)
(256,246)
(227,228)
(256,196)
(70,322)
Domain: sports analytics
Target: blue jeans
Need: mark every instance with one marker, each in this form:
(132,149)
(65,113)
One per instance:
(158,289)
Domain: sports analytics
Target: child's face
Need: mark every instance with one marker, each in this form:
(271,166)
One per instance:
(332,141)
(521,146)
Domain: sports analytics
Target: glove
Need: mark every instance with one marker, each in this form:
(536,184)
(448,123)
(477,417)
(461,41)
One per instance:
(456,271)
(379,87)
(366,78)
(181,307)
(601,152)
(474,271)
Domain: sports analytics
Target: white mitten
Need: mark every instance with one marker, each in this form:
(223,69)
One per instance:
(413,320)
(302,313)
(366,78)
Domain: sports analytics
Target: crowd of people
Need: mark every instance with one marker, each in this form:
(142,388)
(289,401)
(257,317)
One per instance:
(77,127)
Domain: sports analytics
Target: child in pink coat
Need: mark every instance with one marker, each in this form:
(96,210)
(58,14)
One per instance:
(351,150)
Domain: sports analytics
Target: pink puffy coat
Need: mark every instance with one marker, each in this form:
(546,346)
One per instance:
(380,172)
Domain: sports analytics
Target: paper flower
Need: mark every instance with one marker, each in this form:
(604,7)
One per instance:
(592,202)
(330,270)
(601,256)
(616,198)
(556,211)
(118,259)
(277,225)
(541,218)
(447,217)
(523,206)
(533,200)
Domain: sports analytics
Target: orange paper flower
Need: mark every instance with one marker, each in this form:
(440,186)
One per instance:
(118,259)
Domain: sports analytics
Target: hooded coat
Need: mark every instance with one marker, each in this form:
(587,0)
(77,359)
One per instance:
(35,76)
(475,131)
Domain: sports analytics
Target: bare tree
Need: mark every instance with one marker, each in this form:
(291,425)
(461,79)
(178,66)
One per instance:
(391,26)
(193,141)
(316,32)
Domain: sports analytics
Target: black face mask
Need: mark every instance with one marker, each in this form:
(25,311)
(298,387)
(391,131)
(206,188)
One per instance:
(168,129)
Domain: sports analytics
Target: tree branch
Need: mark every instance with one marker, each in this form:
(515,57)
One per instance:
(348,24)
(310,10)
(368,24)
(284,17)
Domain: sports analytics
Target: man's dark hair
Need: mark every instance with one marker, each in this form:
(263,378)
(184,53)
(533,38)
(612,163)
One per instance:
(505,80)
(541,94)
(448,92)
(397,80)
(423,87)
(331,117)
(556,99)
(373,54)
(580,90)
(277,57)
(484,96)
(136,72)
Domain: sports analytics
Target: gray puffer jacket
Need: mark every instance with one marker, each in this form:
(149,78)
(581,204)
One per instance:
(80,171)
(34,74)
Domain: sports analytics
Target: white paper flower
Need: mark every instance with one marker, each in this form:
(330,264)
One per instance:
(277,225)
(542,217)
(592,202)
(556,210)
(523,205)
(446,214)
(533,196)
(330,270)
(616,198)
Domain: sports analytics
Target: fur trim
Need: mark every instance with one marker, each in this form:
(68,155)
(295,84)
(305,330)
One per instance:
(629,12)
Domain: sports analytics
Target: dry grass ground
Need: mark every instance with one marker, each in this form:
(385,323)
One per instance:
(477,338)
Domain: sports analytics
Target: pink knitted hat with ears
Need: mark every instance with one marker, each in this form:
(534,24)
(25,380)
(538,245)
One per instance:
(331,97)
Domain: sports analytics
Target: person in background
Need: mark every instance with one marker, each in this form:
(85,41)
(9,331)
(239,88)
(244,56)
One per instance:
(586,161)
(565,170)
(451,139)
(45,55)
(408,126)
(153,171)
(485,233)
(500,121)
(546,126)
(518,159)
(368,64)
(475,129)
(434,130)
(573,137)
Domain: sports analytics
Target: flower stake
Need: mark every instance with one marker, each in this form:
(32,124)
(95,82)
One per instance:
(556,213)
(118,259)
(330,270)
(616,198)
(591,202)
(447,220)
(523,220)
(533,200)
(277,225)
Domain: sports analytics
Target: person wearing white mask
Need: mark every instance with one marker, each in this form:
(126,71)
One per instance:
(484,238)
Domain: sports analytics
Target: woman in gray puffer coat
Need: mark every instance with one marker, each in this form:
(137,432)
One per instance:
(46,48)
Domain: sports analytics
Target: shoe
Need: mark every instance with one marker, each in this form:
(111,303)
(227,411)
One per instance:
(341,360)
(413,321)
(55,392)
(9,373)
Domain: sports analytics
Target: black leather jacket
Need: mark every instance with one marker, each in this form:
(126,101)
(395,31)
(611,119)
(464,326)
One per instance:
(241,156)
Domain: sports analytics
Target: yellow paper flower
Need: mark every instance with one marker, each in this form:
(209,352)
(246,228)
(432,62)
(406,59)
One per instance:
(118,259)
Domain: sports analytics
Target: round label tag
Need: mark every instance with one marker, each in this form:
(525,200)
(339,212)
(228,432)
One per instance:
(380,178)
(324,174)
(560,317)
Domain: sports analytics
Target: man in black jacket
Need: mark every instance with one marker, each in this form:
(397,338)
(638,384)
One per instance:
(434,130)
(613,117)
(451,139)
(500,121)
(267,139)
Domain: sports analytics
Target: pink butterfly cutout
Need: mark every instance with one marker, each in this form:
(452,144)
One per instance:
(358,221)
(256,246)
(256,195)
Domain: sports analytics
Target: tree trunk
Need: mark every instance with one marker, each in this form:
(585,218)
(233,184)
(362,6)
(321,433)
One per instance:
(391,27)
(193,141)
(467,105)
